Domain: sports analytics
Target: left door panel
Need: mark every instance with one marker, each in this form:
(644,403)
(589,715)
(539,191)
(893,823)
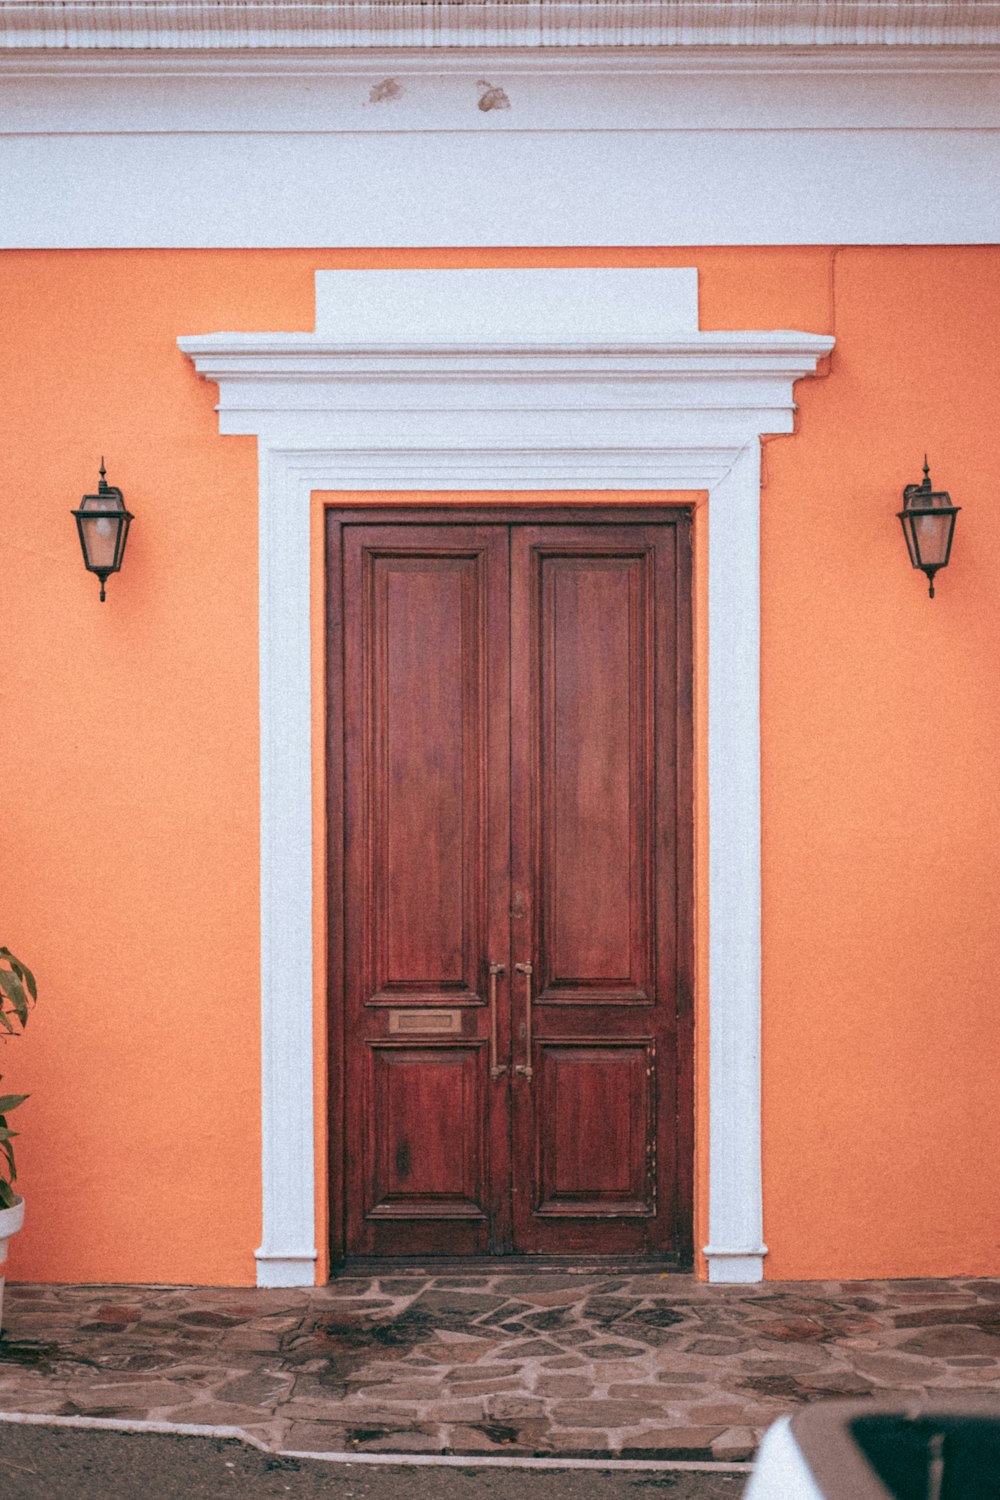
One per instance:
(426,840)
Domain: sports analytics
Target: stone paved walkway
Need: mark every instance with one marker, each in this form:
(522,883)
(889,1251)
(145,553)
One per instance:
(650,1365)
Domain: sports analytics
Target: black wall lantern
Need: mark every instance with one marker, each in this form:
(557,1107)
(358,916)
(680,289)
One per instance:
(928,520)
(103,524)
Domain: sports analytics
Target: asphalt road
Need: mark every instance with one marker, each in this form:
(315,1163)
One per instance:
(58,1463)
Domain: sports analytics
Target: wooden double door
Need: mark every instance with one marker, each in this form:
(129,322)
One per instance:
(510,857)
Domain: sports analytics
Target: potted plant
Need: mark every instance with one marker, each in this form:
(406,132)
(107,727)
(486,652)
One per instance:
(17,996)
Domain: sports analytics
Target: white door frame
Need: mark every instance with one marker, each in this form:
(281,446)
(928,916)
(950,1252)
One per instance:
(508,380)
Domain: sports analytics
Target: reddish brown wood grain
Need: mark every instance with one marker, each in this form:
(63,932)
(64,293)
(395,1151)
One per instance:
(426,1158)
(597,1107)
(425,736)
(593,672)
(593,783)
(425,800)
(509,757)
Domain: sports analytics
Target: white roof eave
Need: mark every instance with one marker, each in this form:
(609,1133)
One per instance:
(217,25)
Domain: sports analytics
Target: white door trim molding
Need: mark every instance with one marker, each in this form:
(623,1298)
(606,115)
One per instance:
(397,410)
(735,1211)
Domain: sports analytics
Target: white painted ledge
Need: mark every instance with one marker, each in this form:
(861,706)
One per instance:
(681,410)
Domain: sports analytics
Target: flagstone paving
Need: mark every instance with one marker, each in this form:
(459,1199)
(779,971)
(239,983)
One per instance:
(635,1366)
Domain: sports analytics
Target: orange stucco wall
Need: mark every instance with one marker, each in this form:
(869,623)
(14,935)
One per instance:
(129,767)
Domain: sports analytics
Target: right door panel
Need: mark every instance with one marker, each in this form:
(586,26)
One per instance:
(595,663)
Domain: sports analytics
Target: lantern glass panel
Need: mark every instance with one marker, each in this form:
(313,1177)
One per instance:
(932,536)
(100,539)
(101,533)
(911,546)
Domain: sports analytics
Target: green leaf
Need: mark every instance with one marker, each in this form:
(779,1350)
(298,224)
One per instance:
(7,1151)
(10,1101)
(7,1195)
(11,984)
(12,987)
(22,971)
(6,1134)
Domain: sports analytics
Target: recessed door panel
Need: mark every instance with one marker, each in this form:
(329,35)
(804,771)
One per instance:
(423,667)
(426,1146)
(596,1156)
(592,774)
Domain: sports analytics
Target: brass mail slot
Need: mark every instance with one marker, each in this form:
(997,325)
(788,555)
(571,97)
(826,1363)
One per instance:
(437,1022)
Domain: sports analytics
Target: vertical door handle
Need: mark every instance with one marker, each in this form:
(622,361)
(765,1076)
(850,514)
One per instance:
(524,1069)
(497,1070)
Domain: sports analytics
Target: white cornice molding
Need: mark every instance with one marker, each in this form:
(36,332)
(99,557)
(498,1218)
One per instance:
(789,355)
(210,24)
(628,407)
(53,94)
(599,60)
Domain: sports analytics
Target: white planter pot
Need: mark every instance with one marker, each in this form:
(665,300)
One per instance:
(11,1220)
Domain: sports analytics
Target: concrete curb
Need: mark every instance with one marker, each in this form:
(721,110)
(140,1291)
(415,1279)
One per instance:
(410,1460)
